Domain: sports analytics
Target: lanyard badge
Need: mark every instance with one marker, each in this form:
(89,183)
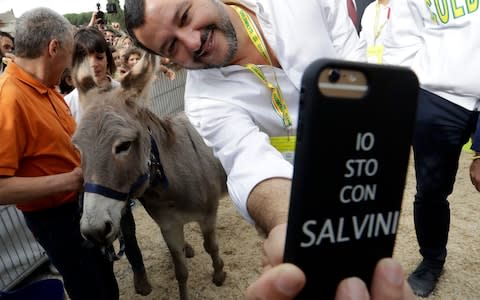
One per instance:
(278,102)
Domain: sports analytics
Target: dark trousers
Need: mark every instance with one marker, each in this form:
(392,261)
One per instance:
(442,128)
(132,251)
(86,272)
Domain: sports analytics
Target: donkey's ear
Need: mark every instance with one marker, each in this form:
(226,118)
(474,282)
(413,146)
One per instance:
(138,80)
(83,80)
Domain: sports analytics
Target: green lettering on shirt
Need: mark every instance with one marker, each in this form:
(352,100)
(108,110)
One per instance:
(433,16)
(446,10)
(457,11)
(442,12)
(472,5)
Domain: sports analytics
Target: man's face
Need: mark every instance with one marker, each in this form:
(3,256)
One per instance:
(195,34)
(108,37)
(6,45)
(62,59)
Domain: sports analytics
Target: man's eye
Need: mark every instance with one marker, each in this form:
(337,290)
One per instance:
(171,47)
(184,18)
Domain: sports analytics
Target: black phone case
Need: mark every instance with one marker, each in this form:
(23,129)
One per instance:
(350,168)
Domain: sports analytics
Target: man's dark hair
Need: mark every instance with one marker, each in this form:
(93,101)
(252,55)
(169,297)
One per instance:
(134,12)
(6,34)
(90,40)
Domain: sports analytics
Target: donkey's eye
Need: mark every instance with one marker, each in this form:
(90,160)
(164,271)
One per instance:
(122,147)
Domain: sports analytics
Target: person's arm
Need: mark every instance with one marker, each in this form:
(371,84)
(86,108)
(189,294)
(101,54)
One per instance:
(268,203)
(403,36)
(475,171)
(16,190)
(93,20)
(475,165)
(167,72)
(250,161)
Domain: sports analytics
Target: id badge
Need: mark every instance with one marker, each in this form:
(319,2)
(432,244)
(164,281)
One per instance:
(375,54)
(285,145)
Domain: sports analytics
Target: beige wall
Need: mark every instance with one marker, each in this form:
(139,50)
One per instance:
(7,22)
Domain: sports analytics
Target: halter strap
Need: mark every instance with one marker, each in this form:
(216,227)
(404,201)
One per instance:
(113,194)
(156,168)
(158,175)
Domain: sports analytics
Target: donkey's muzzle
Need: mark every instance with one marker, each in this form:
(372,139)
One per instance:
(101,235)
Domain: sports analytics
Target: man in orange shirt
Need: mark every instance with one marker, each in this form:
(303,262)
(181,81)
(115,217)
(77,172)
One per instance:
(39,167)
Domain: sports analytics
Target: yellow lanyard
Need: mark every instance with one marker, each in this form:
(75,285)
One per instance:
(278,102)
(377,29)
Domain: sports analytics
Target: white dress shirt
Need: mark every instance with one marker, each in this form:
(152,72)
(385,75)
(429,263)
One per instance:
(231,108)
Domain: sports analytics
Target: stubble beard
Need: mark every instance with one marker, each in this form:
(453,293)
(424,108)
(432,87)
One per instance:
(225,26)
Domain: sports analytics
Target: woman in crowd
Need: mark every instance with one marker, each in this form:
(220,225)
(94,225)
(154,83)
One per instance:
(90,42)
(131,56)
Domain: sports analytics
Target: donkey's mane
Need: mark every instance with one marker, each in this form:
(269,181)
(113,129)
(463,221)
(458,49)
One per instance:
(164,123)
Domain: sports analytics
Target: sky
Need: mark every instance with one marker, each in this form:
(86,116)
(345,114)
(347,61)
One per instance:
(60,6)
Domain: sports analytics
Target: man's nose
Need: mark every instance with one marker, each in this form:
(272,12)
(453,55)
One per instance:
(190,39)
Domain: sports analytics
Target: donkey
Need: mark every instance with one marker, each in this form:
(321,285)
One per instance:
(129,152)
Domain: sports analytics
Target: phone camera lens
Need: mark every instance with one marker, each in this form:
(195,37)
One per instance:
(334,75)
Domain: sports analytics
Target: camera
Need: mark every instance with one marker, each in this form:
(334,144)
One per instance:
(111,8)
(100,15)
(334,75)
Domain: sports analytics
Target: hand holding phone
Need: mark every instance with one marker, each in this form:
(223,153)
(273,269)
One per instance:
(354,134)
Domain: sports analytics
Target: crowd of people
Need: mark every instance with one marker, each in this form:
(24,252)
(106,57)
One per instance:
(232,109)
(126,53)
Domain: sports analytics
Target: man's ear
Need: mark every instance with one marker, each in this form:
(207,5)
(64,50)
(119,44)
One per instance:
(53,46)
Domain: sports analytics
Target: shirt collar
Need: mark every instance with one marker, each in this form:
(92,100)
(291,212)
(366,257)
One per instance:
(26,78)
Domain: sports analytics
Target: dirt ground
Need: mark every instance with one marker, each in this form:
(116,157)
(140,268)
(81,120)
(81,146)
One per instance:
(241,247)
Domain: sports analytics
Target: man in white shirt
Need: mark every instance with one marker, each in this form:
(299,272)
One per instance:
(355,10)
(374,25)
(231,106)
(361,5)
(438,41)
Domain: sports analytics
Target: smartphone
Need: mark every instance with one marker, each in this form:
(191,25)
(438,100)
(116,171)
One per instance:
(354,135)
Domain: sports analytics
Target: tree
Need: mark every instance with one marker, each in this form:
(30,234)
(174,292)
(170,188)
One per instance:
(80,19)
(116,17)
